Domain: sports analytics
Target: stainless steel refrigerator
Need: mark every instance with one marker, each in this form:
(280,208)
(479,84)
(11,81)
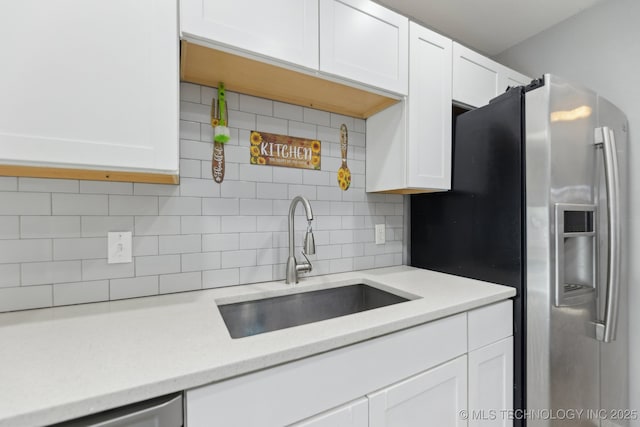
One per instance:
(539,203)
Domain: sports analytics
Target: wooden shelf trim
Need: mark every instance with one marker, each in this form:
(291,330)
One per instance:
(208,67)
(88,174)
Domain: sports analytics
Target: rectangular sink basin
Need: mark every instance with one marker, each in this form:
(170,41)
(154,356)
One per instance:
(254,317)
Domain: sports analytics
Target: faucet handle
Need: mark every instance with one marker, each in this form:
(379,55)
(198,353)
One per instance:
(304,267)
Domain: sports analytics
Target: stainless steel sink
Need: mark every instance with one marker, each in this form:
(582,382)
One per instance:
(254,317)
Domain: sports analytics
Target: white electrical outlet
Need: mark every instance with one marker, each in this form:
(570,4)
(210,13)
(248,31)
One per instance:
(119,247)
(380,234)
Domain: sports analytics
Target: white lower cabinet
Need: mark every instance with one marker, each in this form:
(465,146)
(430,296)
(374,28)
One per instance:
(491,384)
(354,414)
(436,397)
(424,375)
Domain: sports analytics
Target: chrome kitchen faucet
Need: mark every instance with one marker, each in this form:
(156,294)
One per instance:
(309,245)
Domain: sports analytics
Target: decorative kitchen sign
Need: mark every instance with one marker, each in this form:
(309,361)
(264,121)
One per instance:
(281,150)
(344,174)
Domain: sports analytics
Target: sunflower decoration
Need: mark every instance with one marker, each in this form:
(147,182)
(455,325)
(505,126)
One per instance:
(256,138)
(315,147)
(262,161)
(255,151)
(315,161)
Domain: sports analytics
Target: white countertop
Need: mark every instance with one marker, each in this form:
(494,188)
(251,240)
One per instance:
(66,362)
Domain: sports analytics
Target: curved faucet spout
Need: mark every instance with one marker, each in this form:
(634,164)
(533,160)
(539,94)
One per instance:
(293,268)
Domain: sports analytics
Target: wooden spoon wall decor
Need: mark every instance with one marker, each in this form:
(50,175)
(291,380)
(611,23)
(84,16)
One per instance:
(344,174)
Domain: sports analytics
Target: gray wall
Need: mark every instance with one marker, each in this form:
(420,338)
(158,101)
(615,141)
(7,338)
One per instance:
(199,234)
(601,49)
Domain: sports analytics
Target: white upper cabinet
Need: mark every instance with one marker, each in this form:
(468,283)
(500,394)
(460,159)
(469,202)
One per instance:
(477,79)
(364,42)
(89,85)
(286,30)
(409,144)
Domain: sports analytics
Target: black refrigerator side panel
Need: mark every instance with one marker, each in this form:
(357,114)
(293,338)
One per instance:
(476,230)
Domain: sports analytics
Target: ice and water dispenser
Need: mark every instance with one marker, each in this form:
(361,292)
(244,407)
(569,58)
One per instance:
(576,254)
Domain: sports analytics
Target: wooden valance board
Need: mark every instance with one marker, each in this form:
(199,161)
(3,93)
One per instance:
(207,66)
(87,174)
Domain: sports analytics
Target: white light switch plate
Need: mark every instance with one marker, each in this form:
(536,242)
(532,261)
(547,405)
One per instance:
(380,234)
(119,247)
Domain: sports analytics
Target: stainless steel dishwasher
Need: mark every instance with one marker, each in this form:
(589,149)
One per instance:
(165,411)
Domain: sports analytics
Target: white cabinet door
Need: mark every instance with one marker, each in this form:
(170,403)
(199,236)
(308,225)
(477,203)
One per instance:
(475,77)
(283,29)
(90,84)
(429,104)
(491,384)
(364,42)
(434,398)
(354,414)
(509,77)
(409,144)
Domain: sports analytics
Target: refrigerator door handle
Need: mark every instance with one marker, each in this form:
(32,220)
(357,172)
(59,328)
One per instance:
(606,329)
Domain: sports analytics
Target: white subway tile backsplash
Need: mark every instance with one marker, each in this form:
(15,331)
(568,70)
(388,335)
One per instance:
(180,244)
(180,282)
(83,248)
(256,173)
(24,298)
(213,206)
(145,245)
(241,189)
(200,224)
(48,185)
(287,111)
(142,189)
(256,207)
(160,264)
(302,130)
(133,287)
(338,119)
(220,278)
(8,183)
(195,112)
(256,240)
(42,227)
(271,125)
(195,150)
(251,104)
(179,206)
(12,203)
(96,269)
(237,224)
(287,175)
(263,273)
(198,234)
(9,275)
(190,168)
(79,204)
(156,225)
(199,187)
(189,92)
(9,227)
(42,273)
(242,120)
(232,259)
(220,242)
(316,117)
(133,205)
(106,187)
(272,191)
(201,261)
(12,251)
(80,292)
